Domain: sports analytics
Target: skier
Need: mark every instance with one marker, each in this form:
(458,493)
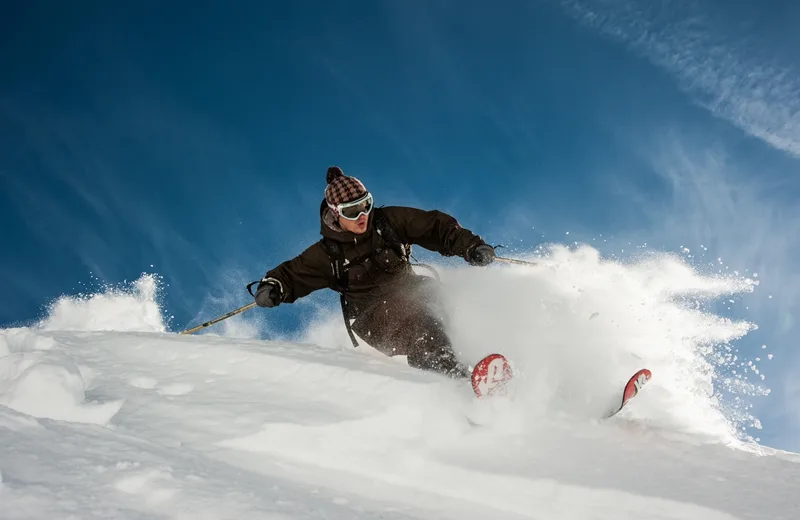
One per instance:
(365,256)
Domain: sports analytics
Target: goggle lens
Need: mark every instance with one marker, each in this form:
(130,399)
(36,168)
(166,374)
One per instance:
(354,210)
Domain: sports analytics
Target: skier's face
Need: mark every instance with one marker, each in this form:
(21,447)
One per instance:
(354,226)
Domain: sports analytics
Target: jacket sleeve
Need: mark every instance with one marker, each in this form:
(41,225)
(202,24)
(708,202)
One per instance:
(433,230)
(307,272)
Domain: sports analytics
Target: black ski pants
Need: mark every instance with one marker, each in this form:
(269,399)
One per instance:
(410,323)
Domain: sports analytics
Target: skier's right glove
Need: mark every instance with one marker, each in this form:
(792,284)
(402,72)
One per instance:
(268,294)
(481,255)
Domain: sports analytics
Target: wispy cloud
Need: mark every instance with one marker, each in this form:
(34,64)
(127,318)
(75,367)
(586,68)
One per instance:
(735,76)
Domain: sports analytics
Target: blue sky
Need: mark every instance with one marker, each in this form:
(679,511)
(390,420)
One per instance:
(192,139)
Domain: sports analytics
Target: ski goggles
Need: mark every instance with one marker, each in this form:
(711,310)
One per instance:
(353,210)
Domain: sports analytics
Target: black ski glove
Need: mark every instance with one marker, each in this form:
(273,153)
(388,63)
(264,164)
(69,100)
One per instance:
(268,294)
(482,254)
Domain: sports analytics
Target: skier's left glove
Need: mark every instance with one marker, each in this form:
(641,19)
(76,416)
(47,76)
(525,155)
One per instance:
(269,293)
(481,255)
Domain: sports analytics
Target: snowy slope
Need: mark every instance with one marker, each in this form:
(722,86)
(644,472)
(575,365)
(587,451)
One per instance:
(104,414)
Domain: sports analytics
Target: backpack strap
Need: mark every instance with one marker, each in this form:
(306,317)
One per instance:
(388,233)
(339,272)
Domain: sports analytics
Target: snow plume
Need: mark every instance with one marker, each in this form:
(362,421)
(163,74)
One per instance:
(736,81)
(727,213)
(131,307)
(577,326)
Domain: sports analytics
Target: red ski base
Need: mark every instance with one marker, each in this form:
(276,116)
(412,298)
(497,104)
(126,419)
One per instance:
(490,375)
(632,387)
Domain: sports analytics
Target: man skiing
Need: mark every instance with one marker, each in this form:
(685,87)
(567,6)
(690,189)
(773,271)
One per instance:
(364,255)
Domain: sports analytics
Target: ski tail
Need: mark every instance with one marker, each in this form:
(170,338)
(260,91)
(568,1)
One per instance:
(632,388)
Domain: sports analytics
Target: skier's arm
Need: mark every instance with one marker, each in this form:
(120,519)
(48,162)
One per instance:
(433,230)
(301,275)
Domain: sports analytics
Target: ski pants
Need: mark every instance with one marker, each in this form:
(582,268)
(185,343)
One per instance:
(409,324)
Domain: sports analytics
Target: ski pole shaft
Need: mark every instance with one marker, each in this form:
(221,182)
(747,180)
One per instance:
(514,261)
(226,316)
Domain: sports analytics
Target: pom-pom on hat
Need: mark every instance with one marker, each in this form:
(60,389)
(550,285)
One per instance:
(342,188)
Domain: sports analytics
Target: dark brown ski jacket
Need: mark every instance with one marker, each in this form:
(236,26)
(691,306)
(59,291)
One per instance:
(383,294)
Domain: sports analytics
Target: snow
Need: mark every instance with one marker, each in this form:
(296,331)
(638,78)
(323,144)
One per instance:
(104,413)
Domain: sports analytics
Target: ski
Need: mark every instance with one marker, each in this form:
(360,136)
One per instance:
(631,389)
(490,375)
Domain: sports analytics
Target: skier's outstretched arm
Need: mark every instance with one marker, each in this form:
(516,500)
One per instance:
(440,232)
(295,278)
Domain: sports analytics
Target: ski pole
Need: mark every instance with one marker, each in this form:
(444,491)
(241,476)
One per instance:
(514,261)
(226,316)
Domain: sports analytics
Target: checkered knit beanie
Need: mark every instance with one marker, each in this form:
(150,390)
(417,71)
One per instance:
(342,188)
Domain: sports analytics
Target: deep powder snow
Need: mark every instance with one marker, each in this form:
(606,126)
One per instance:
(104,413)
